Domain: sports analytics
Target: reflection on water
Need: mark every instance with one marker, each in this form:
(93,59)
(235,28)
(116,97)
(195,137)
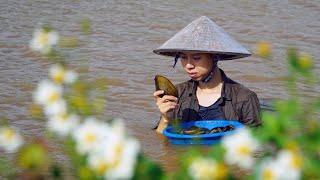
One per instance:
(120,49)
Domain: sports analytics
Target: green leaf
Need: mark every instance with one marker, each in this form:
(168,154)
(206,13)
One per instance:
(311,168)
(85,25)
(33,157)
(7,170)
(69,42)
(147,169)
(292,59)
(4,122)
(56,172)
(301,64)
(217,152)
(287,107)
(76,159)
(317,104)
(56,57)
(47,28)
(270,127)
(85,173)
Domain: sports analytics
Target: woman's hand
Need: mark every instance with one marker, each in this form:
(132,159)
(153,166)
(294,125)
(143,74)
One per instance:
(166,103)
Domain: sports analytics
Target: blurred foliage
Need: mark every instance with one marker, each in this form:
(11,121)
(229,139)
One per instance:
(7,169)
(69,42)
(87,98)
(4,121)
(85,25)
(33,157)
(295,122)
(147,169)
(263,49)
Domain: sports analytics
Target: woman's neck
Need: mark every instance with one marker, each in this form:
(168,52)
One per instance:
(214,84)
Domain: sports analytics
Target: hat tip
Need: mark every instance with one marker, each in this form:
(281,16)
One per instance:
(204,17)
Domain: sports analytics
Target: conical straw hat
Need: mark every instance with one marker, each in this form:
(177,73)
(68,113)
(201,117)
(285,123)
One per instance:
(203,35)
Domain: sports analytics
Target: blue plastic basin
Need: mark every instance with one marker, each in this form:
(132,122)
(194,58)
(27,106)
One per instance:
(205,139)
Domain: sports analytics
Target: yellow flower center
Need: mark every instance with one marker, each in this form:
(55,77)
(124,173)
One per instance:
(90,138)
(206,172)
(43,38)
(296,161)
(264,49)
(205,169)
(54,96)
(119,149)
(79,101)
(292,147)
(118,152)
(58,76)
(221,171)
(267,174)
(9,134)
(305,61)
(63,117)
(102,168)
(244,150)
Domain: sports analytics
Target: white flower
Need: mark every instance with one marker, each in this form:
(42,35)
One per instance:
(269,170)
(125,165)
(287,166)
(70,77)
(105,156)
(290,163)
(118,127)
(47,93)
(117,160)
(90,135)
(116,156)
(205,168)
(10,139)
(239,148)
(56,108)
(63,124)
(60,75)
(43,40)
(98,163)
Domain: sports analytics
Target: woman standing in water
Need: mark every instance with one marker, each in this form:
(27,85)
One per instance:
(209,94)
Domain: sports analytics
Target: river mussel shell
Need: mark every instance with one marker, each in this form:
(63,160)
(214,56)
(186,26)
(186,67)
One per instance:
(163,83)
(221,129)
(194,130)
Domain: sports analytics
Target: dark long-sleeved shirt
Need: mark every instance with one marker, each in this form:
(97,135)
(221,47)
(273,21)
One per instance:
(238,103)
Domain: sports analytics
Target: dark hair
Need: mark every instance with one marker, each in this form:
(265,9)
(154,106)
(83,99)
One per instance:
(216,57)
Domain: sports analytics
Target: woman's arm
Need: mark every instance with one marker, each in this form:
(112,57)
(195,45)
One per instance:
(165,104)
(162,124)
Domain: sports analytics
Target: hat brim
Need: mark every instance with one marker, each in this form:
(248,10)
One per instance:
(222,55)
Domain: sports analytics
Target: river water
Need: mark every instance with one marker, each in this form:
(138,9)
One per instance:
(124,33)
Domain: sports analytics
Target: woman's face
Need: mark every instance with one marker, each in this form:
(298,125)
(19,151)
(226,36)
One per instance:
(197,65)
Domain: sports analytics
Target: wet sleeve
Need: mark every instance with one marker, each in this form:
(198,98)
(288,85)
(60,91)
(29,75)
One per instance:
(156,122)
(251,111)
(170,114)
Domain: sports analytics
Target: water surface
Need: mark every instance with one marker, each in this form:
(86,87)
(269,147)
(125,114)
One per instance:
(124,33)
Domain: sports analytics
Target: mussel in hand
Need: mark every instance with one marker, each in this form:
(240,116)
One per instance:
(163,83)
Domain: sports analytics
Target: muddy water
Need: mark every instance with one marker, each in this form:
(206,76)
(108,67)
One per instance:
(124,33)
